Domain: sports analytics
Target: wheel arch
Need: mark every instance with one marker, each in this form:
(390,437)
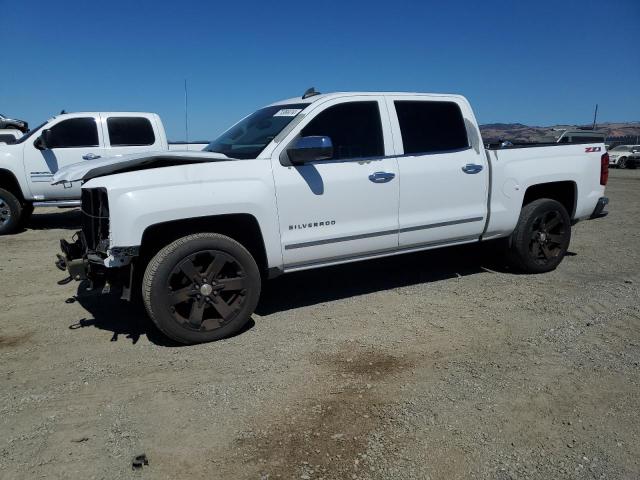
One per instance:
(565,192)
(9,182)
(242,227)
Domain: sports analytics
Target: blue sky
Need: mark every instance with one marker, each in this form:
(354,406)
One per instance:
(540,62)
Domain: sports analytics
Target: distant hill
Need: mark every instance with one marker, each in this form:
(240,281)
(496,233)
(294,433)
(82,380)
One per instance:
(517,132)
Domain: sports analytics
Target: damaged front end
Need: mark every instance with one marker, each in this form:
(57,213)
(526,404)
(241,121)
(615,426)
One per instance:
(72,259)
(89,256)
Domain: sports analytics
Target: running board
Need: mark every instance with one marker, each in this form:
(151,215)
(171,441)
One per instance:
(58,203)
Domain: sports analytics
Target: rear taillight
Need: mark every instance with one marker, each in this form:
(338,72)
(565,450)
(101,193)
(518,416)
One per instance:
(604,169)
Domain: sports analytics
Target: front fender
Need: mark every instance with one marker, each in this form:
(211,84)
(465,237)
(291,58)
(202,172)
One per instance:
(191,191)
(11,163)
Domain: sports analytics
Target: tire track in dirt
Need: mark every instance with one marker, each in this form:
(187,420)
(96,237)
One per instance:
(325,435)
(7,341)
(611,297)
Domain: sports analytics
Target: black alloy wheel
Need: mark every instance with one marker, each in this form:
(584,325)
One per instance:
(547,237)
(206,289)
(541,238)
(201,287)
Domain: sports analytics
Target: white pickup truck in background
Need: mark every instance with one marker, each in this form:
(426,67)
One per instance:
(9,135)
(28,164)
(314,181)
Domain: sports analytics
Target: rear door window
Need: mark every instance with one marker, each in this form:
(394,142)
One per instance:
(75,132)
(130,131)
(429,126)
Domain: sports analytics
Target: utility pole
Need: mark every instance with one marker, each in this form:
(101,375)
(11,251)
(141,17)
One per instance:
(186,112)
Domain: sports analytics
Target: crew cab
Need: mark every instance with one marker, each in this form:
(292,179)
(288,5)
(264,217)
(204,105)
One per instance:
(28,163)
(313,181)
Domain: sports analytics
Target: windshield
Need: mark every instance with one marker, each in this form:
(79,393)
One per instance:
(621,148)
(251,135)
(26,136)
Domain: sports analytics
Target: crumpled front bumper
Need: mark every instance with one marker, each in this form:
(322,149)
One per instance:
(72,259)
(101,271)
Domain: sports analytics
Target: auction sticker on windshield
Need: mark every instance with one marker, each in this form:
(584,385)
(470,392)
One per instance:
(287,112)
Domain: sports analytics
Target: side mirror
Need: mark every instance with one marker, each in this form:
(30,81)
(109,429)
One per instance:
(309,149)
(43,142)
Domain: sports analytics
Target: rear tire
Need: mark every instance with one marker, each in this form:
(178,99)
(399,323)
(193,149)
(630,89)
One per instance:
(541,238)
(201,288)
(11,212)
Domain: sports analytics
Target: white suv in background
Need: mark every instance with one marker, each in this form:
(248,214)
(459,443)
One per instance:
(618,156)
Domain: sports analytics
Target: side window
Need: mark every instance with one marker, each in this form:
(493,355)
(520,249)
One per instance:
(431,126)
(354,128)
(130,131)
(75,132)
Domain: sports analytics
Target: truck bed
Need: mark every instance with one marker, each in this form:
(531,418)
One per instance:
(498,145)
(515,168)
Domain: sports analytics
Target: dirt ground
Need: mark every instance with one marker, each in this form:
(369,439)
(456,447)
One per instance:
(439,365)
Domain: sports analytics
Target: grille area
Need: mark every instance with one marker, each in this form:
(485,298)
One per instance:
(95,219)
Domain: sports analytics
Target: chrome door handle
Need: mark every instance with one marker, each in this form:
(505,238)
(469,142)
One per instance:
(90,156)
(472,168)
(382,177)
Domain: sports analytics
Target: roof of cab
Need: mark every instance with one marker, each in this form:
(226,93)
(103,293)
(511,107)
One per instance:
(97,113)
(319,96)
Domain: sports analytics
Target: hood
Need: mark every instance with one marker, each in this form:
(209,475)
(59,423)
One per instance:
(128,163)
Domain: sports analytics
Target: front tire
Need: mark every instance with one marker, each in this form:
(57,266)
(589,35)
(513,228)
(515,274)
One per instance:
(11,212)
(541,238)
(201,288)
(622,163)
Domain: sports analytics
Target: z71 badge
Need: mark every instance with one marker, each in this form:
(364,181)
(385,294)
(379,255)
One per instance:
(592,149)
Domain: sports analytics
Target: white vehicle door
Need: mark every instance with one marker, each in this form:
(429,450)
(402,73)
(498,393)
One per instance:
(443,169)
(72,140)
(345,207)
(127,133)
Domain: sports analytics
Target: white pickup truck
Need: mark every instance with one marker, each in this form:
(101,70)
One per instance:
(9,135)
(313,181)
(27,164)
